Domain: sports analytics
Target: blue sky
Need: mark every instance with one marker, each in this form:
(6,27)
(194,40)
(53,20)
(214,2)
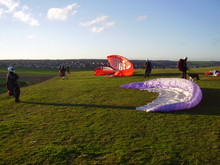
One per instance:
(94,29)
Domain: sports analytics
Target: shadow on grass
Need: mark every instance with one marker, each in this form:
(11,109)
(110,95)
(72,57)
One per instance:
(160,75)
(80,105)
(208,106)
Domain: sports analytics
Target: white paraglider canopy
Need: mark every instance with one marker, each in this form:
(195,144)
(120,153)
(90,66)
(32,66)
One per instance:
(174,94)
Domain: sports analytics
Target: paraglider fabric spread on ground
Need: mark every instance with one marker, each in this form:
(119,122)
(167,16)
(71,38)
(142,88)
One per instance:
(104,70)
(213,73)
(121,67)
(174,94)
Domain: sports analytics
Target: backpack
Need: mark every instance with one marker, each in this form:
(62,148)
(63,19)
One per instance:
(180,64)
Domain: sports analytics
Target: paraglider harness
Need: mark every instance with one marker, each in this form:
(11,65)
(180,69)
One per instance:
(182,65)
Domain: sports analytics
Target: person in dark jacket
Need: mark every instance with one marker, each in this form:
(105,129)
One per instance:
(182,66)
(148,68)
(12,84)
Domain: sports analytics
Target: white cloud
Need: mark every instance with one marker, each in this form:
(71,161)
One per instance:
(141,18)
(103,27)
(61,13)
(1,12)
(98,20)
(10,6)
(97,29)
(99,24)
(25,17)
(109,24)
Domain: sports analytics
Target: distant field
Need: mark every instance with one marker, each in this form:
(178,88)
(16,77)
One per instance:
(88,119)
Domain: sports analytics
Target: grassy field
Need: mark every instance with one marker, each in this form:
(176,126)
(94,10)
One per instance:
(88,119)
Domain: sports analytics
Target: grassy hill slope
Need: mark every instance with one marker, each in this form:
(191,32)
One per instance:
(88,119)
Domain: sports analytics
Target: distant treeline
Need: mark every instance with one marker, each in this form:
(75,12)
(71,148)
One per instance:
(93,63)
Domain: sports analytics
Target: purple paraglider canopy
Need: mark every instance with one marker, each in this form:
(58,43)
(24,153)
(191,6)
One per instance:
(174,94)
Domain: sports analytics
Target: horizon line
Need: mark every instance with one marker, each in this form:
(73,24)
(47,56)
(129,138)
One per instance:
(100,59)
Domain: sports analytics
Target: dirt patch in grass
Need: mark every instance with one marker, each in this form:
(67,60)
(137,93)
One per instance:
(25,79)
(33,78)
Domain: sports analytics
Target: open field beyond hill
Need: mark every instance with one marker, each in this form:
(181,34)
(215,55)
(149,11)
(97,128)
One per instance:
(88,119)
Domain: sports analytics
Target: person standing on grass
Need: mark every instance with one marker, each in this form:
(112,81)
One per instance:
(182,66)
(62,72)
(148,68)
(12,84)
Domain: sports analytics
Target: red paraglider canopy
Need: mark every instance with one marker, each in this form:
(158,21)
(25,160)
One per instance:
(104,70)
(122,66)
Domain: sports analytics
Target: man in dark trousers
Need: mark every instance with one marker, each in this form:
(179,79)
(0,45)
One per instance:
(182,66)
(12,84)
(148,68)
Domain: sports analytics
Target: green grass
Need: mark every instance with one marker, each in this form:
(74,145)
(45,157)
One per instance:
(88,119)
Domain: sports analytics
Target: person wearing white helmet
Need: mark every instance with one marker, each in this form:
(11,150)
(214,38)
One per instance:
(12,84)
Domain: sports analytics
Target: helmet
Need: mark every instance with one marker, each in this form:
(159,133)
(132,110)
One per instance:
(11,69)
(185,58)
